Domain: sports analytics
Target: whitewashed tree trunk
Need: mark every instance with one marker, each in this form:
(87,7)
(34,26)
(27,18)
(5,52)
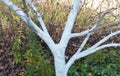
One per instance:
(59,61)
(58,49)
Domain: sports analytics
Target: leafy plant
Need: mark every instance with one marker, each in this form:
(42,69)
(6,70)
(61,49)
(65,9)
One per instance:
(98,64)
(32,57)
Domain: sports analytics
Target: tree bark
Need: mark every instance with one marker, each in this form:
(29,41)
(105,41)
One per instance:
(59,62)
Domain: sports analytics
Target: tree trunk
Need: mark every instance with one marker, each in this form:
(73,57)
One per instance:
(59,60)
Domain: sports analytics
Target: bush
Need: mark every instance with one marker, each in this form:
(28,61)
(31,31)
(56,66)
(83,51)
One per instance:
(102,63)
(37,65)
(31,55)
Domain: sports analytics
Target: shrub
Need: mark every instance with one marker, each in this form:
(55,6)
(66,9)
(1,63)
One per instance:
(32,57)
(102,63)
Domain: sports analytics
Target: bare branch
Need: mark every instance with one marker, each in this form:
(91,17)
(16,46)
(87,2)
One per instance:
(95,25)
(101,17)
(23,16)
(49,41)
(115,23)
(92,49)
(104,39)
(88,32)
(87,52)
(71,61)
(83,43)
(80,34)
(70,22)
(38,15)
(30,23)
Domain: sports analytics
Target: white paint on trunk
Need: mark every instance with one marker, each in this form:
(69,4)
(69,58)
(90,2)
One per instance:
(59,60)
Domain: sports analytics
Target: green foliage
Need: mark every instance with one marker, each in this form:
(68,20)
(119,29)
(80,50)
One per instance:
(18,44)
(102,63)
(16,50)
(8,18)
(36,63)
(73,71)
(32,56)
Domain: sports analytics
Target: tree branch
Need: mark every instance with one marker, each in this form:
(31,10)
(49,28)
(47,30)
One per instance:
(92,49)
(115,23)
(83,43)
(101,17)
(87,52)
(30,24)
(23,16)
(95,25)
(70,23)
(38,15)
(71,61)
(104,39)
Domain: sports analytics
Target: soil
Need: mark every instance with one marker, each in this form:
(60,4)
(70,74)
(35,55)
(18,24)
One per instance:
(8,67)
